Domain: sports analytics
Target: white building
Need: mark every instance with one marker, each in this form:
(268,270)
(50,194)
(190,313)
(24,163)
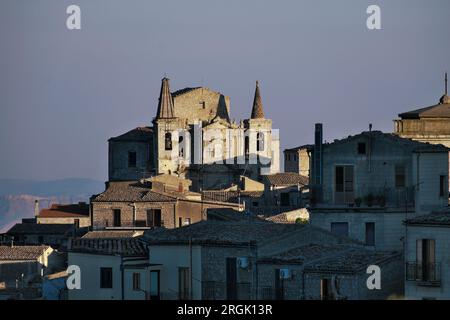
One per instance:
(427,257)
(113,269)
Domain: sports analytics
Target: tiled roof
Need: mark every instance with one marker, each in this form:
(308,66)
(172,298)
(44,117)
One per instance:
(435,218)
(65,211)
(440,110)
(40,228)
(132,191)
(286,179)
(241,232)
(110,234)
(230,196)
(306,146)
(405,142)
(228,214)
(339,258)
(21,252)
(130,247)
(143,134)
(350,260)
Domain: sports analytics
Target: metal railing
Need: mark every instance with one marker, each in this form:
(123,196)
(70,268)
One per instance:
(427,274)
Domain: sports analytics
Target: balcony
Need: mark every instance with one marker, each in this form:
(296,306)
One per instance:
(424,274)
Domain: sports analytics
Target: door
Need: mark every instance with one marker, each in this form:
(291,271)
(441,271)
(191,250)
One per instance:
(117,218)
(154,285)
(184,285)
(231,278)
(279,286)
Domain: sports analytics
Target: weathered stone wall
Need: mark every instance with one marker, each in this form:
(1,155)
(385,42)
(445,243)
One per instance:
(103,213)
(84,221)
(201,104)
(118,160)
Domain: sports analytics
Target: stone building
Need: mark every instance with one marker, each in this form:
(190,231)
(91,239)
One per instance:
(161,201)
(193,136)
(22,269)
(241,260)
(298,159)
(76,214)
(429,124)
(427,257)
(365,185)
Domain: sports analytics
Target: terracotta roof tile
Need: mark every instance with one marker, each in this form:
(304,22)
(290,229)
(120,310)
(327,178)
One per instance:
(108,246)
(21,252)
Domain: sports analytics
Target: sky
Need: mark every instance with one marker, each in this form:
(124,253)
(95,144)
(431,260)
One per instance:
(63,92)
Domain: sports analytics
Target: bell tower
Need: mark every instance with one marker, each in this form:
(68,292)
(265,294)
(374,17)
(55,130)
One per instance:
(167,132)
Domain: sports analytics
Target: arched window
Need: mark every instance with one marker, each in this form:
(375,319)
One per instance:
(260,141)
(168,141)
(247,145)
(181,146)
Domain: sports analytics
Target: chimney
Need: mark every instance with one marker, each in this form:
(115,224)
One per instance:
(36,208)
(317,161)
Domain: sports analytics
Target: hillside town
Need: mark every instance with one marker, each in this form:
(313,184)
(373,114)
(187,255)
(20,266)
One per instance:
(196,207)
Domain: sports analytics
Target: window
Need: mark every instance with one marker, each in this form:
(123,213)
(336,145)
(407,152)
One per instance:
(106,280)
(154,218)
(361,148)
(400,177)
(154,285)
(370,233)
(284,197)
(117,218)
(247,145)
(340,228)
(168,141)
(136,281)
(279,285)
(180,145)
(180,222)
(131,159)
(260,141)
(183,283)
(344,191)
(426,259)
(442,186)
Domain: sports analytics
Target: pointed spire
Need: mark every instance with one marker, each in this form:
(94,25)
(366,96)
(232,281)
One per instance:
(257,110)
(165,104)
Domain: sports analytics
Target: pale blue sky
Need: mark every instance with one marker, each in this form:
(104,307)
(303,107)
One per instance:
(64,93)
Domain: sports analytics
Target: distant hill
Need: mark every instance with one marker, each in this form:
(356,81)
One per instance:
(17,196)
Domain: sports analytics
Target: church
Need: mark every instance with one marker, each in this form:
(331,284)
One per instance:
(193,137)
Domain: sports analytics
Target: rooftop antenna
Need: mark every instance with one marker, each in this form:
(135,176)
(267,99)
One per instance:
(446,83)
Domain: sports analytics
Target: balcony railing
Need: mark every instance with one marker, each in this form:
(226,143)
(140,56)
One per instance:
(425,274)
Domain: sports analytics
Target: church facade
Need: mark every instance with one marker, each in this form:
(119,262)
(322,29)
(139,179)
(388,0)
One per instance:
(193,137)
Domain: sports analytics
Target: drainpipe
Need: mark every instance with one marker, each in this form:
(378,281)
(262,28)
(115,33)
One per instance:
(122,272)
